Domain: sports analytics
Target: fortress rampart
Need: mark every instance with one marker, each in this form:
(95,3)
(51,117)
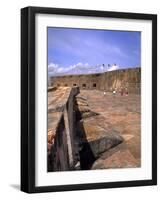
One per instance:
(62,151)
(129,79)
(74,139)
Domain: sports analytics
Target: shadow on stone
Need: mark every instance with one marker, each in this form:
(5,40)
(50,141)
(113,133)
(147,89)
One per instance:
(94,139)
(86,154)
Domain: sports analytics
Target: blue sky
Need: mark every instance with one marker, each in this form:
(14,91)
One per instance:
(69,49)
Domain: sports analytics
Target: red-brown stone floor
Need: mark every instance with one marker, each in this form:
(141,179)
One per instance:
(122,113)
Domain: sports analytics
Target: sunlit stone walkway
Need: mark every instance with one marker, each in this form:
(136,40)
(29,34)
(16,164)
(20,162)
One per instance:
(123,114)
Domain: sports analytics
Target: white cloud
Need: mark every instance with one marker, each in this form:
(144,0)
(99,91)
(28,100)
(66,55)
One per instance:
(79,68)
(113,67)
(86,64)
(52,67)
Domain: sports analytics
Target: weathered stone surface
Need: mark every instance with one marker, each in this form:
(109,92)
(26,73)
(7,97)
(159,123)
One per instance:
(82,108)
(98,138)
(121,114)
(51,135)
(120,159)
(81,101)
(52,89)
(122,80)
(61,129)
(116,158)
(107,133)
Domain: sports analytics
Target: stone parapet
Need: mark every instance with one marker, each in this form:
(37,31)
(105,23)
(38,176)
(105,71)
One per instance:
(62,150)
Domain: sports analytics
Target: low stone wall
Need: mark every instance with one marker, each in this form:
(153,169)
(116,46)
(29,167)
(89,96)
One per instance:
(62,146)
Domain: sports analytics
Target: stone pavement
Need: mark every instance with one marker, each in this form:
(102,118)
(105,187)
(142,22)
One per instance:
(122,114)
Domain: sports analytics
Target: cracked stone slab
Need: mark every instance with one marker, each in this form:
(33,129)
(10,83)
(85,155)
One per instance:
(119,159)
(97,138)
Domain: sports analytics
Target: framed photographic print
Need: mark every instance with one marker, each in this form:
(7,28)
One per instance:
(88,99)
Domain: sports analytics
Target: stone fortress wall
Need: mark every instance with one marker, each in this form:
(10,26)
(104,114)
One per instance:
(80,130)
(129,79)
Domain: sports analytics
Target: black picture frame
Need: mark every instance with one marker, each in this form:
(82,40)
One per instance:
(28,98)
